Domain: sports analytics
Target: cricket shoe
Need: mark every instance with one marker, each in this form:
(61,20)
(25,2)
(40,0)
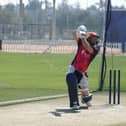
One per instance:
(75,107)
(87,100)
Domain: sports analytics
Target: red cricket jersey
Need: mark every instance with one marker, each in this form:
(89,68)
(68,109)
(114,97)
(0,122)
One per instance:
(83,58)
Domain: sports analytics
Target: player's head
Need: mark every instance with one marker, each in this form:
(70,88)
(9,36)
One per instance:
(81,30)
(93,38)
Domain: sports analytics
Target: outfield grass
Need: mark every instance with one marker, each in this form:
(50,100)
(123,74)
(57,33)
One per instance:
(116,62)
(30,75)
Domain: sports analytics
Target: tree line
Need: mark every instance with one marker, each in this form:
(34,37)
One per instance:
(67,16)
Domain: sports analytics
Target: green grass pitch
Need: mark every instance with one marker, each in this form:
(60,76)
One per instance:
(33,75)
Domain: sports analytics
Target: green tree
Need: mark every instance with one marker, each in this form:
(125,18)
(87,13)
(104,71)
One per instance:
(33,9)
(8,14)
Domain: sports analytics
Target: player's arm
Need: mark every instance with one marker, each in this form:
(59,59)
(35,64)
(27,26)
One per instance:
(86,45)
(74,33)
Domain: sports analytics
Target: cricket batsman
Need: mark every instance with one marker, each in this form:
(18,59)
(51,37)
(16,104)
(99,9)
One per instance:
(76,75)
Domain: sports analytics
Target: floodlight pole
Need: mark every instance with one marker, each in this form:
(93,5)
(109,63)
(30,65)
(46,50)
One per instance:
(21,14)
(21,10)
(54,21)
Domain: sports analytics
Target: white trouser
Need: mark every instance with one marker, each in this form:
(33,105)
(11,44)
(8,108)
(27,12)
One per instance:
(83,82)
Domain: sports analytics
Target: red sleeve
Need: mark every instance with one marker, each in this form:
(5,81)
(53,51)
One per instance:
(80,43)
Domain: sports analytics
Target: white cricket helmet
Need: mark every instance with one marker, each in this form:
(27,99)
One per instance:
(82,29)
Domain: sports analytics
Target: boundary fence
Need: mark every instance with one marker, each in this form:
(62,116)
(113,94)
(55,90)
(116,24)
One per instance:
(50,46)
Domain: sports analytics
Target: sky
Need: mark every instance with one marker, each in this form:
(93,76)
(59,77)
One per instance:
(83,3)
